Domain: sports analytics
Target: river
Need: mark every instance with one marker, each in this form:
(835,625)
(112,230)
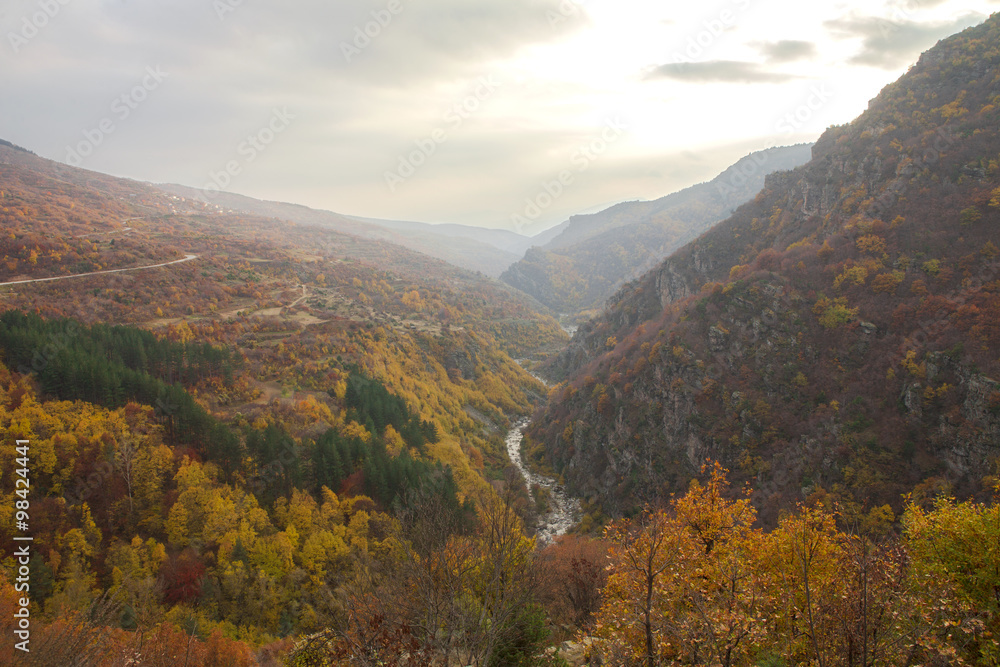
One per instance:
(564,510)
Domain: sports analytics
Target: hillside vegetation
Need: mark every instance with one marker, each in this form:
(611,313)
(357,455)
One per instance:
(217,445)
(289,448)
(836,334)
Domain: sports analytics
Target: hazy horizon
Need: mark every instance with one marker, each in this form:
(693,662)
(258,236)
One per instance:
(445,112)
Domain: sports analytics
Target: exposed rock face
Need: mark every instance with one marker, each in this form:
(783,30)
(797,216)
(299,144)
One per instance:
(463,363)
(662,425)
(579,654)
(671,285)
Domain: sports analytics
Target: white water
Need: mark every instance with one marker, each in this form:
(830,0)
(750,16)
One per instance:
(564,510)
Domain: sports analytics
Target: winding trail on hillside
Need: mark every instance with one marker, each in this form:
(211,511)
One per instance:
(305,294)
(123,230)
(187,258)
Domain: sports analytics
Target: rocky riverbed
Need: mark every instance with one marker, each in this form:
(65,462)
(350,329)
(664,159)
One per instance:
(564,510)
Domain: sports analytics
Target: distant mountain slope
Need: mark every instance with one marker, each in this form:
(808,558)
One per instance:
(303,305)
(840,334)
(14,146)
(592,255)
(501,239)
(544,238)
(282,366)
(62,221)
(466,247)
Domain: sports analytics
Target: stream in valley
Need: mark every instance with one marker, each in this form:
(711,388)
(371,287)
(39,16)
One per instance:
(564,510)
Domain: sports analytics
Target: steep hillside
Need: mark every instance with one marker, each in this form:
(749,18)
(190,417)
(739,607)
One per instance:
(838,334)
(301,302)
(594,254)
(464,247)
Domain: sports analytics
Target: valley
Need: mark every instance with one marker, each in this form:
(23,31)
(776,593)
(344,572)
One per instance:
(754,422)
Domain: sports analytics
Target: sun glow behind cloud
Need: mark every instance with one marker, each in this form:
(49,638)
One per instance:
(698,86)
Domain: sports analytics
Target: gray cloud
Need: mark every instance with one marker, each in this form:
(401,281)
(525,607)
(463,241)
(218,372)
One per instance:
(355,116)
(889,44)
(227,72)
(423,40)
(787,50)
(718,71)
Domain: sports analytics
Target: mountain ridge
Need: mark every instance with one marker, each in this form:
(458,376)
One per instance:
(466,251)
(836,334)
(593,254)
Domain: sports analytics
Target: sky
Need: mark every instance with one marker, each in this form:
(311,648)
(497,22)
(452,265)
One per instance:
(512,114)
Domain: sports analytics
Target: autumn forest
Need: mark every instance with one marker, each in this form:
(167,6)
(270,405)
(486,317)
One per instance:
(239,440)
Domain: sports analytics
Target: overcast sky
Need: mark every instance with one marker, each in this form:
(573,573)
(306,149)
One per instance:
(446,110)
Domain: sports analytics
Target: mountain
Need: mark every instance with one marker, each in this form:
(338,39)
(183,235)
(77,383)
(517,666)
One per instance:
(301,304)
(83,220)
(487,250)
(253,441)
(838,336)
(501,239)
(544,238)
(590,257)
(230,415)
